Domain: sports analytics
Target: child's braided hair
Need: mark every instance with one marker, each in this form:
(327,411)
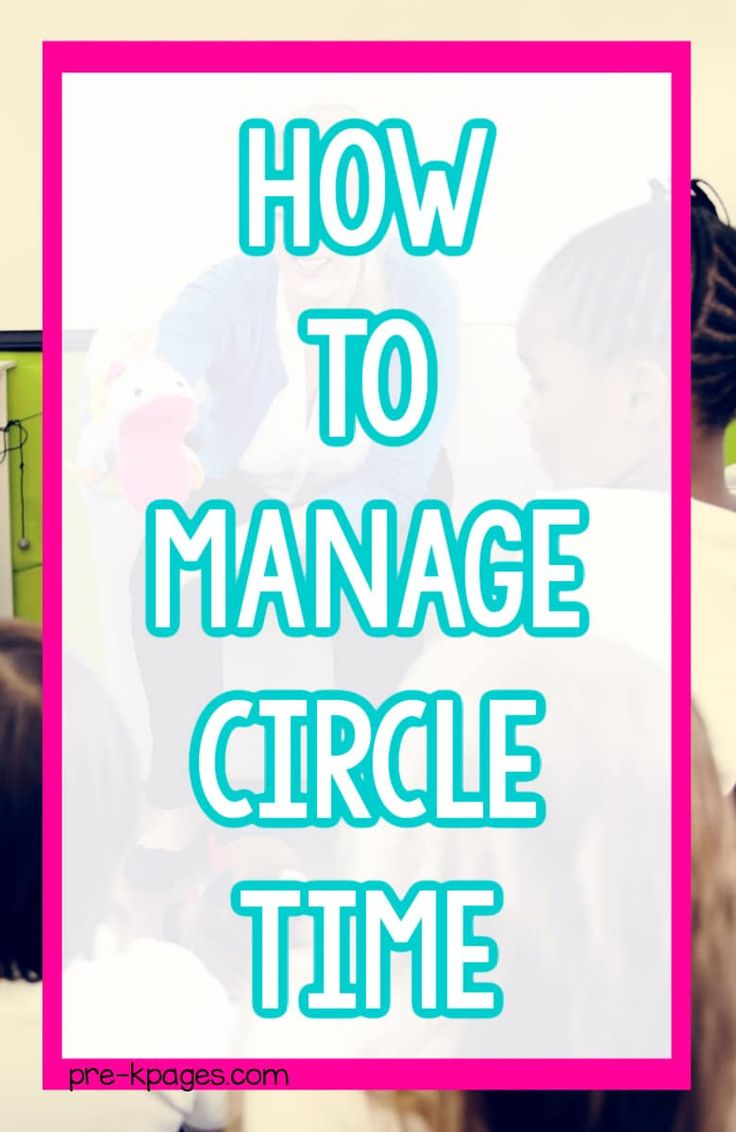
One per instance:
(713,312)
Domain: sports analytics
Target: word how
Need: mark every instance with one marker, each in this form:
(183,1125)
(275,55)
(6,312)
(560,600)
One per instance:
(343,188)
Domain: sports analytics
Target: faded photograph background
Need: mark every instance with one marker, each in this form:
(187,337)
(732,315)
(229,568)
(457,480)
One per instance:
(553,383)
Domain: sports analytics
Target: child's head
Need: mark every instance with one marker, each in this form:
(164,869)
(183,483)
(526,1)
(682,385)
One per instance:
(713,315)
(101,775)
(594,335)
(711,1104)
(100,767)
(20,800)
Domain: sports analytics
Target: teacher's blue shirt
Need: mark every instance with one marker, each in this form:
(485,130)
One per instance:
(222,330)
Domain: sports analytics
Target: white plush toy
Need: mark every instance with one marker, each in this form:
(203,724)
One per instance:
(143,411)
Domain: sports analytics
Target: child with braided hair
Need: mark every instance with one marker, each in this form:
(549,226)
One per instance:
(594,335)
(714,505)
(713,346)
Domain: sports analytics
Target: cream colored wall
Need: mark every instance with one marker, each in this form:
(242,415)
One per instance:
(24,24)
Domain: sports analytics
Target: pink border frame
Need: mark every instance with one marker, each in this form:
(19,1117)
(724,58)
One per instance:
(671,58)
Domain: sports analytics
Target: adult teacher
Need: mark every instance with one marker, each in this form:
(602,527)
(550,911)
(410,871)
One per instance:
(232,334)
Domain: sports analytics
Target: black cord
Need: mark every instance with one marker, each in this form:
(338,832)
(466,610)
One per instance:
(6,448)
(23,543)
(23,431)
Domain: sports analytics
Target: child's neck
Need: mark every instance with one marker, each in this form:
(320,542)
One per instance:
(708,481)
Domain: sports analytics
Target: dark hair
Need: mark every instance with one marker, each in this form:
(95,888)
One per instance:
(576,1111)
(713,312)
(101,767)
(711,1104)
(100,764)
(20,801)
(614,280)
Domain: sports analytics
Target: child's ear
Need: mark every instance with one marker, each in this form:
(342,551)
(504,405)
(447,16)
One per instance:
(648,393)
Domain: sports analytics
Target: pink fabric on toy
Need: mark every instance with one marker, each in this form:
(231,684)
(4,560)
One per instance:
(153,461)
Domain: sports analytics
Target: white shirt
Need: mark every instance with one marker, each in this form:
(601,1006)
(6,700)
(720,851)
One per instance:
(27,1108)
(322,1112)
(286,447)
(152,998)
